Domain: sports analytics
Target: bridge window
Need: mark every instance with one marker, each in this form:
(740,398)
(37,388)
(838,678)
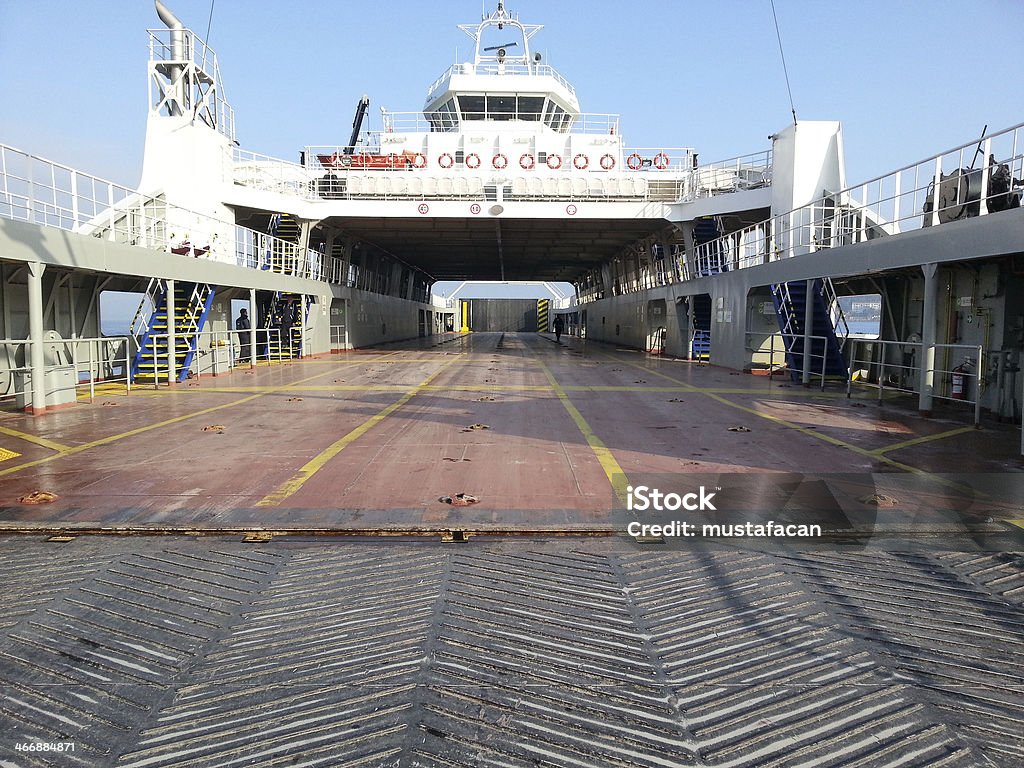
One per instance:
(501,107)
(530,107)
(472,107)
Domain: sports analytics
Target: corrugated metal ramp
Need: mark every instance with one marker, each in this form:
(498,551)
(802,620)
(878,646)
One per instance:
(172,652)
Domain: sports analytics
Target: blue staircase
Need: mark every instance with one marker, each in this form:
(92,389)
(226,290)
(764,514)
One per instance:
(700,343)
(706,230)
(790,301)
(192,304)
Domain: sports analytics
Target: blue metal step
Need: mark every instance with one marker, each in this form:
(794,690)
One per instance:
(790,300)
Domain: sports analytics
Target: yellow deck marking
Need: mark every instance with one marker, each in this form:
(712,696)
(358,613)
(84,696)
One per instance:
(314,465)
(66,451)
(6,454)
(1016,523)
(924,439)
(782,422)
(616,476)
(53,446)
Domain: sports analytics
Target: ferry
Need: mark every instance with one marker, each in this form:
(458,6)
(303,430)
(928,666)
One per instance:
(744,496)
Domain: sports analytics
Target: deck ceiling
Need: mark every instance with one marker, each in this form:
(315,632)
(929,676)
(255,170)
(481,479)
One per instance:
(478,248)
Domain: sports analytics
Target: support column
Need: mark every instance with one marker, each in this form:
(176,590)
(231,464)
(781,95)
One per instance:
(690,328)
(302,325)
(931,298)
(253,325)
(172,338)
(808,331)
(37,363)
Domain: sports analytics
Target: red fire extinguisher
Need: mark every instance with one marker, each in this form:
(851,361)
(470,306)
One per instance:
(959,383)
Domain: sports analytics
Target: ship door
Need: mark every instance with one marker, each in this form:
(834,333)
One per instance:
(423,323)
(656,326)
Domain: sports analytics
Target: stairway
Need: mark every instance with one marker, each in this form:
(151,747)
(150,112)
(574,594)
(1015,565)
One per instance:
(283,314)
(284,250)
(700,343)
(790,301)
(192,303)
(706,230)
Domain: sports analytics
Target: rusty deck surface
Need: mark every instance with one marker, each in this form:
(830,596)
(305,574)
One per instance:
(535,430)
(554,640)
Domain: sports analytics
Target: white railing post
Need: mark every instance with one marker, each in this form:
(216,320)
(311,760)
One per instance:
(986,173)
(937,180)
(977,389)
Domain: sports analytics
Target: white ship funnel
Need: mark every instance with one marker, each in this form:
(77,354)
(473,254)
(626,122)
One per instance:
(177,47)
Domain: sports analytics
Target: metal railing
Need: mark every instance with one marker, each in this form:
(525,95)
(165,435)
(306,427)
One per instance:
(974,179)
(736,173)
(197,54)
(339,337)
(807,357)
(496,68)
(871,365)
(39,191)
(90,361)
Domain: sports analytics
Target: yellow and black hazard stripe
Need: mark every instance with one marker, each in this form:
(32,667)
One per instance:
(543,315)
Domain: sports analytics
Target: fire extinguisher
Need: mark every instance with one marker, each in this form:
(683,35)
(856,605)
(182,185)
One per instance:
(959,383)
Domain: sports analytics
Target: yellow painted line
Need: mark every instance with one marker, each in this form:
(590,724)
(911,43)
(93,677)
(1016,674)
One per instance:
(53,446)
(314,465)
(66,451)
(616,476)
(1017,523)
(924,439)
(6,454)
(790,425)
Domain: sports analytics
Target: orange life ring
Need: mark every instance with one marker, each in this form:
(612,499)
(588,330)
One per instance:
(419,160)
(472,160)
(580,162)
(634,161)
(607,162)
(526,161)
(554,162)
(446,160)
(499,161)
(661,161)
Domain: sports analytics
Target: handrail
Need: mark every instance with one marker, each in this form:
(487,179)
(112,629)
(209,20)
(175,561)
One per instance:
(39,191)
(913,372)
(942,188)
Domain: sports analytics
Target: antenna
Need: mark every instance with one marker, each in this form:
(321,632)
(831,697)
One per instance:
(783,55)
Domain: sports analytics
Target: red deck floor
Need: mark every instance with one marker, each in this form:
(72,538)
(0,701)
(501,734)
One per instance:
(374,439)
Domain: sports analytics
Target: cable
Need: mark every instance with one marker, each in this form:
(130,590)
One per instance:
(210,22)
(784,69)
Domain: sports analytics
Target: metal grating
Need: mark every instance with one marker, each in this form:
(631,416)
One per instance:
(154,652)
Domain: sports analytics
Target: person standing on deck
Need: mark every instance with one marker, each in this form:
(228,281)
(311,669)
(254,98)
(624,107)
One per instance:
(559,327)
(245,337)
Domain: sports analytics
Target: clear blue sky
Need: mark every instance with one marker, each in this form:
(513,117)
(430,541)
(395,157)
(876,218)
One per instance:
(907,79)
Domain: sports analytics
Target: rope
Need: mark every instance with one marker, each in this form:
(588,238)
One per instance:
(784,69)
